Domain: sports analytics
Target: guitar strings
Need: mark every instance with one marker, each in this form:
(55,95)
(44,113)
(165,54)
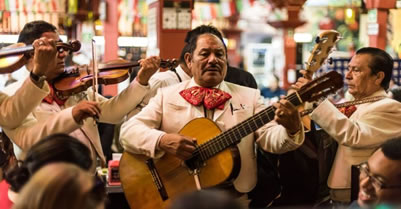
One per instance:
(208,149)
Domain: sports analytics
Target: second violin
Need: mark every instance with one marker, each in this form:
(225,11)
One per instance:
(78,79)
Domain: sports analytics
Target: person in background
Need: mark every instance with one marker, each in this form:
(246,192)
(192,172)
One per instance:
(166,78)
(358,129)
(74,114)
(393,84)
(395,93)
(61,186)
(240,77)
(380,178)
(54,148)
(273,90)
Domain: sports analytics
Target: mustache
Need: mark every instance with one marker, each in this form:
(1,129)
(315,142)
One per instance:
(212,66)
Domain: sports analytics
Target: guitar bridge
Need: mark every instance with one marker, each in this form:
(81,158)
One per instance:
(157,180)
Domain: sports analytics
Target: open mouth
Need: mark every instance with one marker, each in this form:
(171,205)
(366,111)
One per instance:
(365,197)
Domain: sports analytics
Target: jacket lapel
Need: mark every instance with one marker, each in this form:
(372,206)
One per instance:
(217,112)
(88,128)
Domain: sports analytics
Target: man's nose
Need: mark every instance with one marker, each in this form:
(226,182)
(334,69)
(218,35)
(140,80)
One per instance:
(348,74)
(365,183)
(212,58)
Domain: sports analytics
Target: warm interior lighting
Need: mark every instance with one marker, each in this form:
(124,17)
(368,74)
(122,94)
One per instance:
(303,37)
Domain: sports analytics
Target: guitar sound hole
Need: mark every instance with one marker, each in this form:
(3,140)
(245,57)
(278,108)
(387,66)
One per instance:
(194,163)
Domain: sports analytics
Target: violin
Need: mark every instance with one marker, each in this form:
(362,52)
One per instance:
(13,57)
(78,79)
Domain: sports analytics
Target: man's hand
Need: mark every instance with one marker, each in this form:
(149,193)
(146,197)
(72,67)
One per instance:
(288,116)
(306,78)
(45,56)
(85,109)
(148,67)
(178,145)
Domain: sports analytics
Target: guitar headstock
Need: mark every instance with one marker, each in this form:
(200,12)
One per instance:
(325,42)
(321,86)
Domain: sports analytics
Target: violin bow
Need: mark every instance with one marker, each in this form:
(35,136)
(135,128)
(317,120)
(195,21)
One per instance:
(95,75)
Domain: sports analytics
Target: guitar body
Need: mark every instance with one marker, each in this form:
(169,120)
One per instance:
(137,180)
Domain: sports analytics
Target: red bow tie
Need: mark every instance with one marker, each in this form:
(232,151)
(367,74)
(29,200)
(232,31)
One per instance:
(210,97)
(53,97)
(347,111)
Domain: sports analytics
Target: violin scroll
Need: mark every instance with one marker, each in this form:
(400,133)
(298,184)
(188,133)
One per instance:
(169,64)
(72,46)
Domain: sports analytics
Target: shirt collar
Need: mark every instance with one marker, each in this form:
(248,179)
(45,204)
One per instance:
(183,75)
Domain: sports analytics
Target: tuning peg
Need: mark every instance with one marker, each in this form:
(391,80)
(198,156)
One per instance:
(317,39)
(330,60)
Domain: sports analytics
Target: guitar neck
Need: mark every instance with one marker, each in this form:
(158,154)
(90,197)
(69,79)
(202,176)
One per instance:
(235,134)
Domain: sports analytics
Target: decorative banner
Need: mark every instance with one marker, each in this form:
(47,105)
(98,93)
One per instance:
(225,8)
(1,21)
(6,5)
(14,22)
(72,6)
(54,6)
(54,18)
(31,16)
(6,22)
(22,20)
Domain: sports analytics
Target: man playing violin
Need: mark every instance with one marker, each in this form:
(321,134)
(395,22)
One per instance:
(73,115)
(15,108)
(154,131)
(358,129)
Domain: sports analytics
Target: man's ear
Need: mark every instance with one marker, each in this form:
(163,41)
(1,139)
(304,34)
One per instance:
(188,59)
(380,76)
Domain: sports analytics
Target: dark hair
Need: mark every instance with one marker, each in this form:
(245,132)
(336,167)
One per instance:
(392,148)
(192,36)
(34,30)
(396,93)
(54,148)
(380,61)
(183,52)
(205,199)
(7,157)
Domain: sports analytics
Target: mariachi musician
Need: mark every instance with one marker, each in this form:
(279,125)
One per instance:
(13,109)
(359,128)
(73,114)
(154,130)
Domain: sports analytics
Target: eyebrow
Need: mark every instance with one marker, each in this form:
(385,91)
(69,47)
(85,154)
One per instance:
(376,175)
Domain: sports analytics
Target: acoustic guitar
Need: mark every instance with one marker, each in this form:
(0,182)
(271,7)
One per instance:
(324,45)
(152,183)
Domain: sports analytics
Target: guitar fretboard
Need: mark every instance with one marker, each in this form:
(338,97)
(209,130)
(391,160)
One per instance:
(236,133)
